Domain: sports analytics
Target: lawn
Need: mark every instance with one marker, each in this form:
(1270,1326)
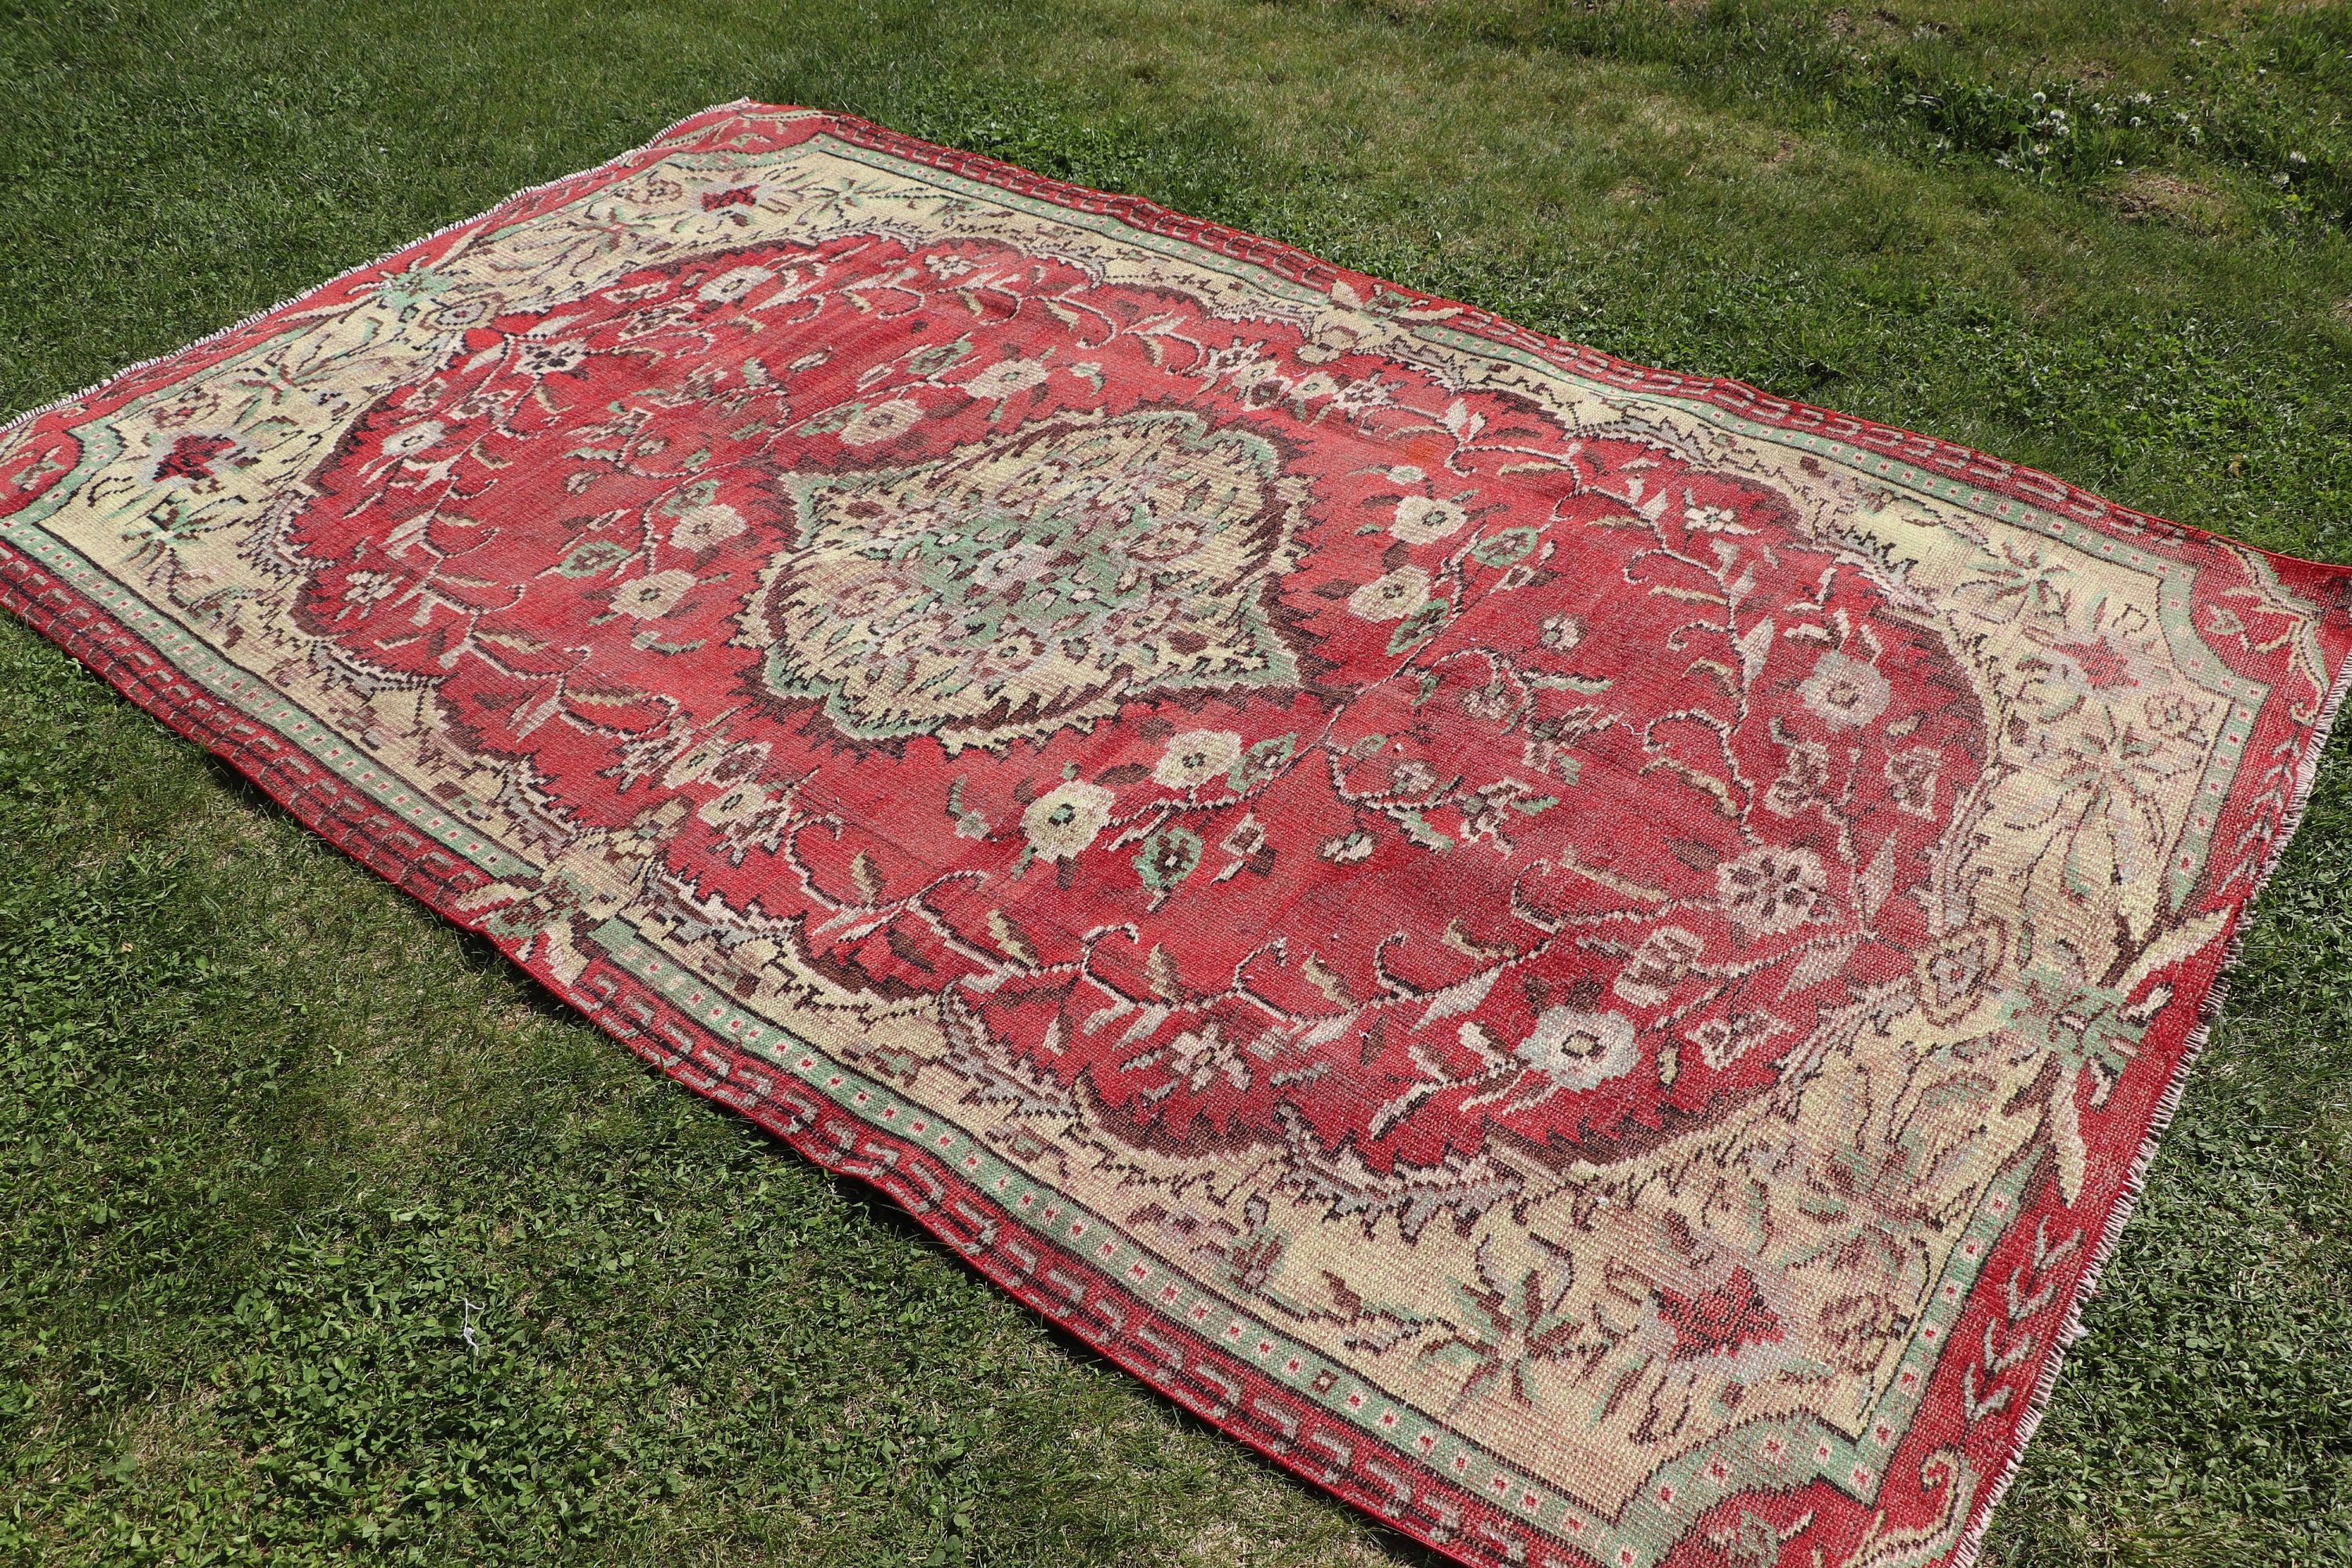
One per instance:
(325,1236)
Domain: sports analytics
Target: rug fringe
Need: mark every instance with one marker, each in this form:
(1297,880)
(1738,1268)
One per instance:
(16,422)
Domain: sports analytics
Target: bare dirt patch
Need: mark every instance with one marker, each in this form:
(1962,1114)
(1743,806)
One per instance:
(2146,195)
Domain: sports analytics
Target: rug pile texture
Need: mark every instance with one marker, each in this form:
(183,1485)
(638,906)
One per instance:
(1587,958)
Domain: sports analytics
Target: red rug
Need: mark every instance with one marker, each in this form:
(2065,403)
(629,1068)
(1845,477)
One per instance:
(1586,957)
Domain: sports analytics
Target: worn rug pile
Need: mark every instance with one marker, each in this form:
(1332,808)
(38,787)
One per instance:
(1587,958)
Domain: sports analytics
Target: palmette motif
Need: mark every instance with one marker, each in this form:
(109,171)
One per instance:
(1585,958)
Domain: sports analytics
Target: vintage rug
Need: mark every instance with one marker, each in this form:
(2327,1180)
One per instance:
(1589,959)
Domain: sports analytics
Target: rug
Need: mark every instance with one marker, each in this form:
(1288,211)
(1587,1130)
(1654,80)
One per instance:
(1589,959)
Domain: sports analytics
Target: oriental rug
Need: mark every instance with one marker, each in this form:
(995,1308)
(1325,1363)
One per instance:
(1587,958)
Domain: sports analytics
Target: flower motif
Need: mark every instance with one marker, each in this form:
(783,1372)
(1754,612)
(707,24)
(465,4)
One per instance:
(1494,701)
(697,761)
(1664,956)
(700,526)
(1770,890)
(1577,1049)
(1422,520)
(1720,1322)
(1845,693)
(415,438)
(1911,778)
(1391,597)
(1064,820)
(457,315)
(363,589)
(1167,857)
(1413,777)
(653,595)
(1723,1041)
(194,457)
(539,361)
(2175,716)
(882,422)
(1200,1056)
(734,284)
(1006,377)
(1347,849)
(1561,633)
(1197,756)
(1804,778)
(1507,548)
(2100,664)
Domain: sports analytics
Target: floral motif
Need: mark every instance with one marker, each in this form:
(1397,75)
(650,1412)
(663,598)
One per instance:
(699,527)
(1198,756)
(1845,693)
(1579,1050)
(1006,377)
(1561,633)
(1423,520)
(1066,819)
(653,595)
(1390,597)
(872,425)
(1768,890)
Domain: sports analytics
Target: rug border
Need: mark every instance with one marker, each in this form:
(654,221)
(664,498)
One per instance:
(380,840)
(2134,1184)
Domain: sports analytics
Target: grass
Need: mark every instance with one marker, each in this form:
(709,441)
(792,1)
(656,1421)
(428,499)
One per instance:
(267,1130)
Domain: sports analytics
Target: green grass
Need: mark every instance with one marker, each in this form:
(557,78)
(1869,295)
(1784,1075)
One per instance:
(266,1128)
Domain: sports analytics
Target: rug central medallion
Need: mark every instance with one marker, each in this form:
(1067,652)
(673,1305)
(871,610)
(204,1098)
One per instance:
(1031,580)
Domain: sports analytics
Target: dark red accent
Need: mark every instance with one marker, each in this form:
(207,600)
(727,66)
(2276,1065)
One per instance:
(1720,1321)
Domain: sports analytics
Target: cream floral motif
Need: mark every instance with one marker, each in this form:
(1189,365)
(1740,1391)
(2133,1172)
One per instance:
(882,422)
(1577,1049)
(1197,757)
(1845,692)
(1392,596)
(1422,520)
(700,526)
(1066,819)
(1770,890)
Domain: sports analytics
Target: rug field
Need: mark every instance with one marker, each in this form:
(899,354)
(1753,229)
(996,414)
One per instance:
(1587,958)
